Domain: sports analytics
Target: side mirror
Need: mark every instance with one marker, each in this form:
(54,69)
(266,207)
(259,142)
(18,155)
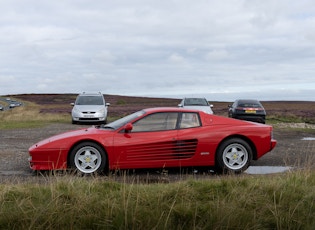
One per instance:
(211,106)
(107,104)
(128,128)
(180,105)
(72,104)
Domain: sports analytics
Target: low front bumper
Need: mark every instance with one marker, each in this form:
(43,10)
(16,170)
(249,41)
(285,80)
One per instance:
(47,160)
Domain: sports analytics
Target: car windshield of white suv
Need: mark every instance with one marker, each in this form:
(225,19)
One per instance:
(90,100)
(196,101)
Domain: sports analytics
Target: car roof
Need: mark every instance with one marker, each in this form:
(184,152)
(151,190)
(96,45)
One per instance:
(90,94)
(169,109)
(195,98)
(248,100)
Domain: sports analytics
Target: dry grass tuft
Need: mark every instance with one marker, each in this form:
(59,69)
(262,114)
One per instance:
(236,202)
(29,116)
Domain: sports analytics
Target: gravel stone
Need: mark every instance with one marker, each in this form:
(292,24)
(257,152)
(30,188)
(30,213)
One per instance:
(291,149)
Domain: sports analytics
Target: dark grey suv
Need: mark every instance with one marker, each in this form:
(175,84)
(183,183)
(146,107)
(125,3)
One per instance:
(248,109)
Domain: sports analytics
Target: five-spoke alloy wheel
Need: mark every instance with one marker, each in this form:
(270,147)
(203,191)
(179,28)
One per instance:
(234,155)
(88,158)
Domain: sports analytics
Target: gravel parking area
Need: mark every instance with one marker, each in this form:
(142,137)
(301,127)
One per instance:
(291,149)
(14,145)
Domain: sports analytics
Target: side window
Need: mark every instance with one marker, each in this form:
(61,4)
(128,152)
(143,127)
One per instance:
(189,120)
(156,122)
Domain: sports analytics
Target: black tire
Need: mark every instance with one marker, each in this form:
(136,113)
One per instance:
(88,158)
(233,156)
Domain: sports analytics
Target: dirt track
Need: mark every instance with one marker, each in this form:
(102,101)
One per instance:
(291,150)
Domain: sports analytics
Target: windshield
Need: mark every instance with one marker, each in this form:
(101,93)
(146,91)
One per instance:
(89,100)
(196,102)
(249,104)
(123,121)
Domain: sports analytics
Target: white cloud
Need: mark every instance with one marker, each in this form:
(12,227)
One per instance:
(171,47)
(217,55)
(176,59)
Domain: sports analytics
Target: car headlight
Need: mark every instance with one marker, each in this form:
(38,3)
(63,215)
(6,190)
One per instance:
(75,109)
(102,111)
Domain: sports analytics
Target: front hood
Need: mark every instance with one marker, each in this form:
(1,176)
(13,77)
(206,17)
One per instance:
(64,140)
(87,108)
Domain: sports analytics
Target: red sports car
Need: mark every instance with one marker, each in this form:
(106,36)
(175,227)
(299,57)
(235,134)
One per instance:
(156,138)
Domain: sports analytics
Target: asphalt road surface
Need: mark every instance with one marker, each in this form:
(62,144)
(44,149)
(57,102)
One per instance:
(295,149)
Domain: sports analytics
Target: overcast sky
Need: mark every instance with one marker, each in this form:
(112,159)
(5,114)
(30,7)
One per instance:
(219,49)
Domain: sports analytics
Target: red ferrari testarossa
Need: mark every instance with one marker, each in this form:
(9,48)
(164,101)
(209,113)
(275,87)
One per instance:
(156,138)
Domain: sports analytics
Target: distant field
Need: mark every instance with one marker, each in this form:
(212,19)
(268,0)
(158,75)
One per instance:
(166,201)
(286,111)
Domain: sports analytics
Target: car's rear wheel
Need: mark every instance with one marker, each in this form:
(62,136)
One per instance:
(233,156)
(88,158)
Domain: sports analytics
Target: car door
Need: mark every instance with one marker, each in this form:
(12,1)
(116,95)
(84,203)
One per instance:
(193,141)
(151,142)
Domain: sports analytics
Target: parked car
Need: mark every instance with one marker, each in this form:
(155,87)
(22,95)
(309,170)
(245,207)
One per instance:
(13,104)
(156,138)
(247,109)
(1,108)
(196,103)
(89,107)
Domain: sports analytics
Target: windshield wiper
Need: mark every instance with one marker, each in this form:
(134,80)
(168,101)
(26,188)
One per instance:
(103,126)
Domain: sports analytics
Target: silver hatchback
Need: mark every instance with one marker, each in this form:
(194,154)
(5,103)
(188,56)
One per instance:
(89,107)
(196,103)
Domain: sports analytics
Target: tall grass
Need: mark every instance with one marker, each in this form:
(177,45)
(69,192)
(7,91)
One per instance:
(279,202)
(284,201)
(29,116)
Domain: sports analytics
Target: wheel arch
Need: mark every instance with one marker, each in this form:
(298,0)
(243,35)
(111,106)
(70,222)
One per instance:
(92,141)
(244,138)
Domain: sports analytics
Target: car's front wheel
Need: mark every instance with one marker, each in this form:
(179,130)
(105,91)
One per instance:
(233,156)
(88,158)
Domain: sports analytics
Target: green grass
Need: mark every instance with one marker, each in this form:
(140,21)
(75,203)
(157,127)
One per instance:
(289,118)
(29,117)
(284,201)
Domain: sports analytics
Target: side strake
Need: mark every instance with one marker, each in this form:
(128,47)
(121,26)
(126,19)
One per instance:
(169,150)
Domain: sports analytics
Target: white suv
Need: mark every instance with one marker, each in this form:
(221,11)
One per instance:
(89,107)
(196,103)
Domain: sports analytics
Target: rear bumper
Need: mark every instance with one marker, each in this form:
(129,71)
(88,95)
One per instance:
(273,144)
(254,118)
